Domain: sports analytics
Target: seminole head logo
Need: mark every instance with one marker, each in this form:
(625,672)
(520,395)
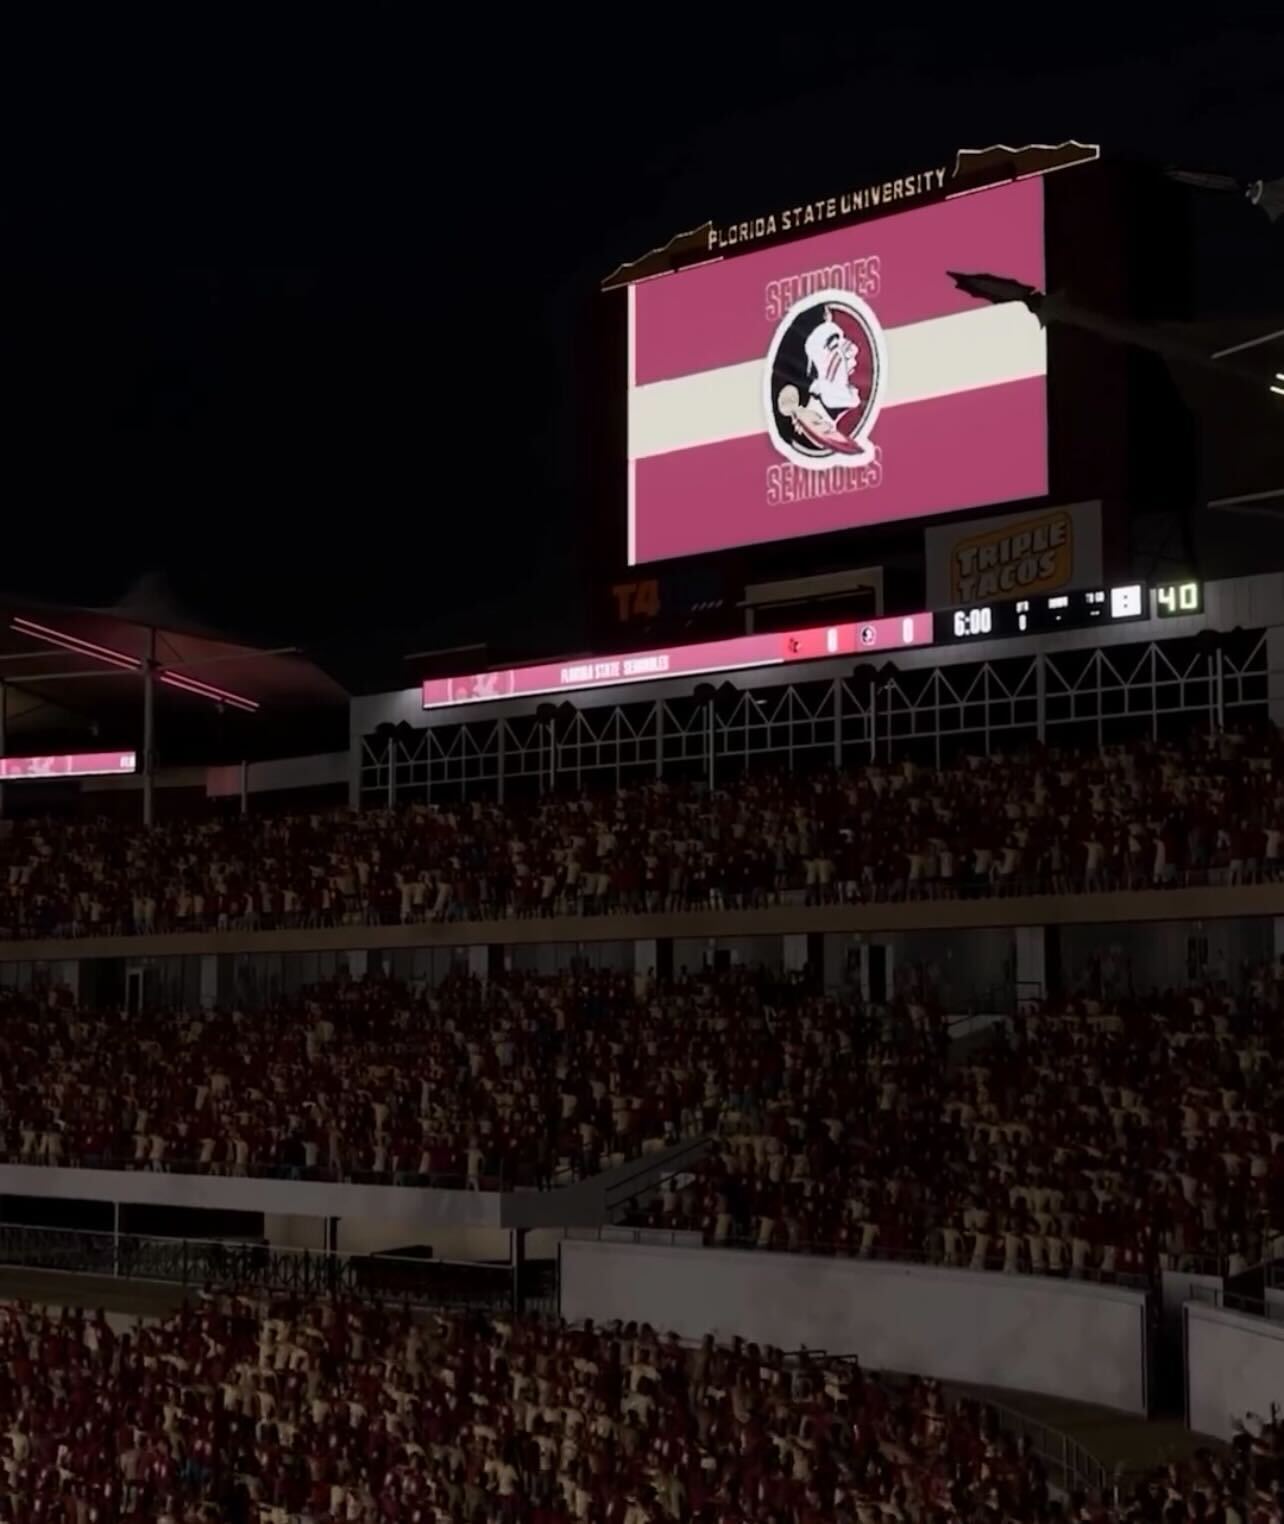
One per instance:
(824,381)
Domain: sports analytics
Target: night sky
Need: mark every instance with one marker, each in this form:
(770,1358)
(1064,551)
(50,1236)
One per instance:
(297,319)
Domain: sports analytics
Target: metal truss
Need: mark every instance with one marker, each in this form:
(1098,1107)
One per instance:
(1080,697)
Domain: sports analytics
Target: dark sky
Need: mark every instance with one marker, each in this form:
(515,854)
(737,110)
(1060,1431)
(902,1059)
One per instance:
(295,317)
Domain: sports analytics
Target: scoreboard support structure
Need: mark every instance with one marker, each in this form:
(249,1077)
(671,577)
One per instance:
(929,706)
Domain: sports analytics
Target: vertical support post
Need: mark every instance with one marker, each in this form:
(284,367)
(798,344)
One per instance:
(1040,697)
(392,771)
(985,704)
(245,788)
(356,765)
(889,723)
(1221,690)
(115,1238)
(517,1255)
(1212,696)
(4,733)
(149,727)
(838,722)
(873,720)
(936,716)
(552,756)
(1154,692)
(1101,700)
(709,769)
(501,731)
(659,738)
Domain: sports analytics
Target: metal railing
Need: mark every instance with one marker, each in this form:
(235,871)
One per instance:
(1111,693)
(1237,1301)
(256,1266)
(626,1189)
(1071,1466)
(253,1169)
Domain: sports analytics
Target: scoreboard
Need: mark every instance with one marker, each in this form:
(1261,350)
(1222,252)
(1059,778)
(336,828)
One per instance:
(1044,615)
(1173,599)
(1123,604)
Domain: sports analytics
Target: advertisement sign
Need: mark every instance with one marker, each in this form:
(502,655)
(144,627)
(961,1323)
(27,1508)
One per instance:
(82,764)
(838,381)
(1016,556)
(864,637)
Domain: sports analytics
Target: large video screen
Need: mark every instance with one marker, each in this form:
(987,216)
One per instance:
(838,381)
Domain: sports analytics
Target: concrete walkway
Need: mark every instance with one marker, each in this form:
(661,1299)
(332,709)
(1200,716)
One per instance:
(54,1288)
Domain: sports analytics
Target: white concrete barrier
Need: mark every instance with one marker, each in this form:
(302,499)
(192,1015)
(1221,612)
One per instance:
(1026,1332)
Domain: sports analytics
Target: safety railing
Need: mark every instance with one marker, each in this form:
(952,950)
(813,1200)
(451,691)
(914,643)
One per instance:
(628,1187)
(499,1179)
(1071,1466)
(261,1267)
(1237,1301)
(252,1169)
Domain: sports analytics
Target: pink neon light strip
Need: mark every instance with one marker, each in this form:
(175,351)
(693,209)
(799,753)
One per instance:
(79,647)
(207,691)
(867,638)
(74,644)
(81,764)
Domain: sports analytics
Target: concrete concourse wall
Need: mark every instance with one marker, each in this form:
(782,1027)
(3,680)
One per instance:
(1234,1366)
(405,1207)
(1066,1338)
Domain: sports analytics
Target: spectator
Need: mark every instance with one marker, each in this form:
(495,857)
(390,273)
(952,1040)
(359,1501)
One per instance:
(1208,811)
(336,1410)
(1091,1139)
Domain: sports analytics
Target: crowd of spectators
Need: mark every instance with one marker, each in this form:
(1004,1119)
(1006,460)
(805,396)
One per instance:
(332,1411)
(1076,1140)
(1143,815)
(511,1082)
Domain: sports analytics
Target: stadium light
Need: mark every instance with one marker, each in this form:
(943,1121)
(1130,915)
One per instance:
(75,644)
(198,689)
(179,680)
(1278,389)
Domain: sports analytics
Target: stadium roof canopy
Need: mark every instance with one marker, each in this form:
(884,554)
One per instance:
(73,680)
(1240,415)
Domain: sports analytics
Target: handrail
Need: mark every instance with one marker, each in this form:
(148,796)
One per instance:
(673,1164)
(1075,1462)
(321,1174)
(1234,1301)
(253,1263)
